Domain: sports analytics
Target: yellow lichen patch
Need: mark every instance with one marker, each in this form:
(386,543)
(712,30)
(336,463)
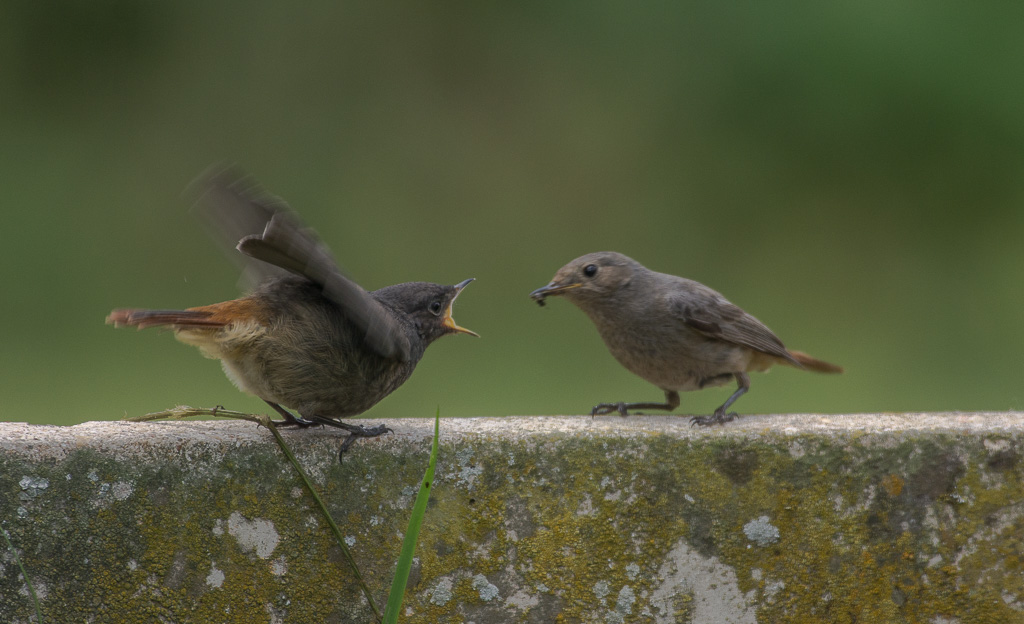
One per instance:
(892,484)
(602,527)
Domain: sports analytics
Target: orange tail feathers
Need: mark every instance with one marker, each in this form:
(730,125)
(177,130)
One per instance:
(156,318)
(814,364)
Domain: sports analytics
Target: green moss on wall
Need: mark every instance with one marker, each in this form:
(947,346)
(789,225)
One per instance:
(596,528)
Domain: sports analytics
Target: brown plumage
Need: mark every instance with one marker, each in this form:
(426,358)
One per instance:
(307,337)
(156,318)
(814,364)
(674,332)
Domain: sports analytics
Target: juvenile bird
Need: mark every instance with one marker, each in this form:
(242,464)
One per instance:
(674,332)
(307,337)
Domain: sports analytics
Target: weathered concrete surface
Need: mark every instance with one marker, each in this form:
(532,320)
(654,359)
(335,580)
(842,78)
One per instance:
(800,518)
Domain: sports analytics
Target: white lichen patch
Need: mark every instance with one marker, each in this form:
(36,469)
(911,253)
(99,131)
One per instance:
(257,535)
(279,566)
(215,578)
(612,495)
(713,586)
(1013,601)
(522,600)
(772,588)
(632,570)
(761,531)
(601,589)
(624,603)
(41,589)
(32,487)
(586,508)
(468,472)
(122,490)
(441,592)
(485,588)
(994,446)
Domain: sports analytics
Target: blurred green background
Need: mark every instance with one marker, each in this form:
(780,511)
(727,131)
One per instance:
(851,173)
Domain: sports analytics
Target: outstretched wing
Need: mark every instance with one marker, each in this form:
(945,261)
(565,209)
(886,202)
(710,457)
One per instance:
(706,311)
(241,214)
(233,206)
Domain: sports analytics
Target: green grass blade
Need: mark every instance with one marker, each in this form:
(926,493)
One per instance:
(419,509)
(327,515)
(24,574)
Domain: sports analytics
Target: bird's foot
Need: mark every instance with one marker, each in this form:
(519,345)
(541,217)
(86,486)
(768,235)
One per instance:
(357,431)
(607,408)
(290,420)
(295,421)
(720,417)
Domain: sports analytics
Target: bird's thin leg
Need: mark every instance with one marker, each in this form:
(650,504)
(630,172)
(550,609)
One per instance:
(289,419)
(720,417)
(671,402)
(354,431)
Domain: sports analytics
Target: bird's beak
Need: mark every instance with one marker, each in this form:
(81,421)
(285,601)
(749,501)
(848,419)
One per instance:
(449,322)
(551,289)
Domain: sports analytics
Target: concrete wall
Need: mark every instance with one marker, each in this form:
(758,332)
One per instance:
(799,518)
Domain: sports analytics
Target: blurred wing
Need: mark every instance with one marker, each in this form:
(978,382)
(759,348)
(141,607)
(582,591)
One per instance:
(264,228)
(709,313)
(233,206)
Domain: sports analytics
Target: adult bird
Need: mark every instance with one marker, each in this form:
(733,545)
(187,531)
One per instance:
(674,332)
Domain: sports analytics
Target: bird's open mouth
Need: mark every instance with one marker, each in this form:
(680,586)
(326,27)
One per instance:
(448,321)
(551,289)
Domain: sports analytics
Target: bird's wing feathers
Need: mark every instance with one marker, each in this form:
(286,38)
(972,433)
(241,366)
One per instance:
(232,206)
(264,228)
(709,313)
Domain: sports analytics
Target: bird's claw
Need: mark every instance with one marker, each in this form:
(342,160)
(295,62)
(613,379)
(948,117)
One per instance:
(358,431)
(718,418)
(297,421)
(607,408)
(373,432)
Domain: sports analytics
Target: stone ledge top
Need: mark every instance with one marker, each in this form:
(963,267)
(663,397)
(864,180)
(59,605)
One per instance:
(113,436)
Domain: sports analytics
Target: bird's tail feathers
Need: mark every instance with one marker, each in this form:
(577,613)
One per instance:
(142,319)
(814,364)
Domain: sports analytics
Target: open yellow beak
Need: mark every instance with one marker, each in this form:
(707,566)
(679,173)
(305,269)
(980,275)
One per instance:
(448,321)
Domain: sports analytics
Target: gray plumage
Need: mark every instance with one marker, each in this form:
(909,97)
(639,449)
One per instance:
(240,214)
(674,332)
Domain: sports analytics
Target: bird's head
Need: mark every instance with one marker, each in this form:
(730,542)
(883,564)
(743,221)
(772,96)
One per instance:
(429,306)
(589,278)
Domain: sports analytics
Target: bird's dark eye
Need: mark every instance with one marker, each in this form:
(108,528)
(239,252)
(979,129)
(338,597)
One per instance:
(590,270)
(435,308)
